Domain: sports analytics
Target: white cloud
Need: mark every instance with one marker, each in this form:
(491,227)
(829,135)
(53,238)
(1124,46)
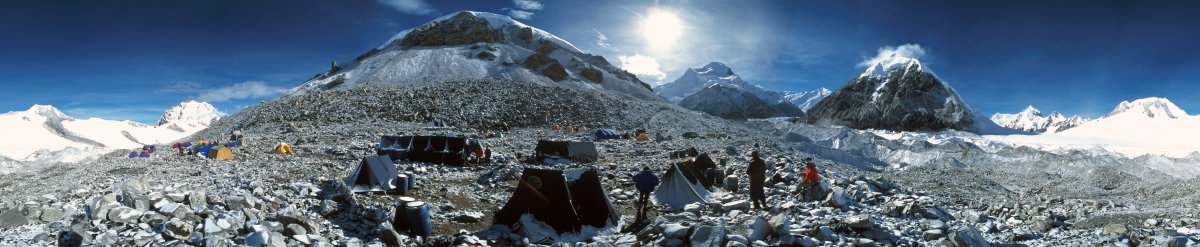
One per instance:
(888,52)
(244,90)
(413,7)
(639,64)
(520,14)
(602,40)
(528,4)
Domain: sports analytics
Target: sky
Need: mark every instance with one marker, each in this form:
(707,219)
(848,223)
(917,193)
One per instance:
(131,60)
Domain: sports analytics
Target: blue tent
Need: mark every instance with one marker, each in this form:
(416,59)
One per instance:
(602,134)
(133,154)
(150,148)
(203,150)
(233,144)
(144,154)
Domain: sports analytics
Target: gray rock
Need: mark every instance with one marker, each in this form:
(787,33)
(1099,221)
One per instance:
(933,224)
(739,205)
(968,237)
(933,234)
(390,237)
(825,233)
(738,238)
(258,238)
(12,218)
(673,242)
(51,214)
(124,214)
(1118,229)
(295,229)
(675,231)
(177,229)
(108,238)
(217,241)
(861,222)
(708,236)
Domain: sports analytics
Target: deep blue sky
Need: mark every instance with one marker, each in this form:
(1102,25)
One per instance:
(133,59)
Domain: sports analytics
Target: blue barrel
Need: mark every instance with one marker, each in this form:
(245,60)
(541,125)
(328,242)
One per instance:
(412,178)
(400,221)
(402,184)
(418,218)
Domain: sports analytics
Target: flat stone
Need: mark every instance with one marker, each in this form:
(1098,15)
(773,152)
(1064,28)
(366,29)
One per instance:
(124,214)
(675,231)
(933,224)
(968,237)
(861,222)
(708,236)
(258,238)
(933,234)
(12,218)
(1118,229)
(177,229)
(739,204)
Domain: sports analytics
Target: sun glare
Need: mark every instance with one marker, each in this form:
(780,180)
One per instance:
(661,28)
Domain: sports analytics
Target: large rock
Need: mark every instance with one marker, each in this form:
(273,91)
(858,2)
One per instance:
(555,71)
(708,236)
(968,237)
(861,222)
(592,74)
(124,214)
(12,218)
(177,229)
(675,231)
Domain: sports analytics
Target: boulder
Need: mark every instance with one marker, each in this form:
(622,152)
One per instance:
(968,237)
(1118,229)
(555,71)
(861,222)
(708,236)
(739,204)
(258,238)
(51,214)
(12,218)
(676,231)
(124,214)
(592,74)
(177,229)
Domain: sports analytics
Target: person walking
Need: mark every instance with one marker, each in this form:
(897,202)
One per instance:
(757,171)
(646,183)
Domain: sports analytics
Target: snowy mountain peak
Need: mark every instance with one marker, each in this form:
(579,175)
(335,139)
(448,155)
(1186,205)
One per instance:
(1030,111)
(714,73)
(1152,107)
(47,111)
(1032,120)
(190,113)
(714,69)
(463,21)
(893,62)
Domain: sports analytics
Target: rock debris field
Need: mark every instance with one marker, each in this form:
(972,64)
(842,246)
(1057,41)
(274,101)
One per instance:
(265,199)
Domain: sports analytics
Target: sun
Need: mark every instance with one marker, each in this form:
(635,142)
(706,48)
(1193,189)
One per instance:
(661,28)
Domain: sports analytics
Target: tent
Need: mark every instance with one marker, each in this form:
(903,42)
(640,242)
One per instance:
(643,137)
(202,150)
(686,153)
(144,154)
(374,173)
(232,144)
(430,149)
(220,153)
(676,191)
(150,148)
(284,148)
(561,203)
(133,154)
(604,134)
(576,151)
(698,169)
(437,123)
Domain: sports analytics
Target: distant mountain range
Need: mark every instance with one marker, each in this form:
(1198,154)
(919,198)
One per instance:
(1032,120)
(43,133)
(715,89)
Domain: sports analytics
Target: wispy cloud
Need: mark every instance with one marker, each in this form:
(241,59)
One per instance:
(889,52)
(528,4)
(520,14)
(523,9)
(602,40)
(181,87)
(639,64)
(412,7)
(244,90)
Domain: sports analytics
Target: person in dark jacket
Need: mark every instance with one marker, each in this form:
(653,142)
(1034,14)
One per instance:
(757,171)
(646,182)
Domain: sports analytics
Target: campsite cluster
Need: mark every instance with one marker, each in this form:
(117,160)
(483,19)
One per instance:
(390,178)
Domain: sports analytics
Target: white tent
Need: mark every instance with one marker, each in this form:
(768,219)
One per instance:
(374,173)
(675,191)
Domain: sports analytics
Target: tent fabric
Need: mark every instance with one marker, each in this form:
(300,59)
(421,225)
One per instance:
(565,205)
(220,153)
(232,144)
(675,191)
(202,150)
(605,134)
(698,170)
(374,173)
(284,148)
(429,149)
(643,137)
(144,154)
(576,151)
(133,154)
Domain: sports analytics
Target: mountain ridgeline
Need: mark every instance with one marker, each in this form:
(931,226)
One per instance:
(715,89)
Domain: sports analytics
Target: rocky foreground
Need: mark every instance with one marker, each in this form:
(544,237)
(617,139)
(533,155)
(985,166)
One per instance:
(265,199)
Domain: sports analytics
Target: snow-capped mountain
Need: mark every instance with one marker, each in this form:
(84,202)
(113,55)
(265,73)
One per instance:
(1032,120)
(715,73)
(806,100)
(1144,126)
(1152,107)
(898,93)
(736,103)
(190,116)
(43,133)
(474,45)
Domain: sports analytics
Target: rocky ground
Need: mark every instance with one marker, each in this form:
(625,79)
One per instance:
(261,198)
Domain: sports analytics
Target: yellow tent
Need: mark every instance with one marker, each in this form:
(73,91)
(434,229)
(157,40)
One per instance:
(557,127)
(284,148)
(570,129)
(220,153)
(643,137)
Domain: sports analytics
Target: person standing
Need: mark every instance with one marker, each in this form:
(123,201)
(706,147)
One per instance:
(646,183)
(757,171)
(810,179)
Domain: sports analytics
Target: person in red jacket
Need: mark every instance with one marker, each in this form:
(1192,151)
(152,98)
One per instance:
(810,179)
